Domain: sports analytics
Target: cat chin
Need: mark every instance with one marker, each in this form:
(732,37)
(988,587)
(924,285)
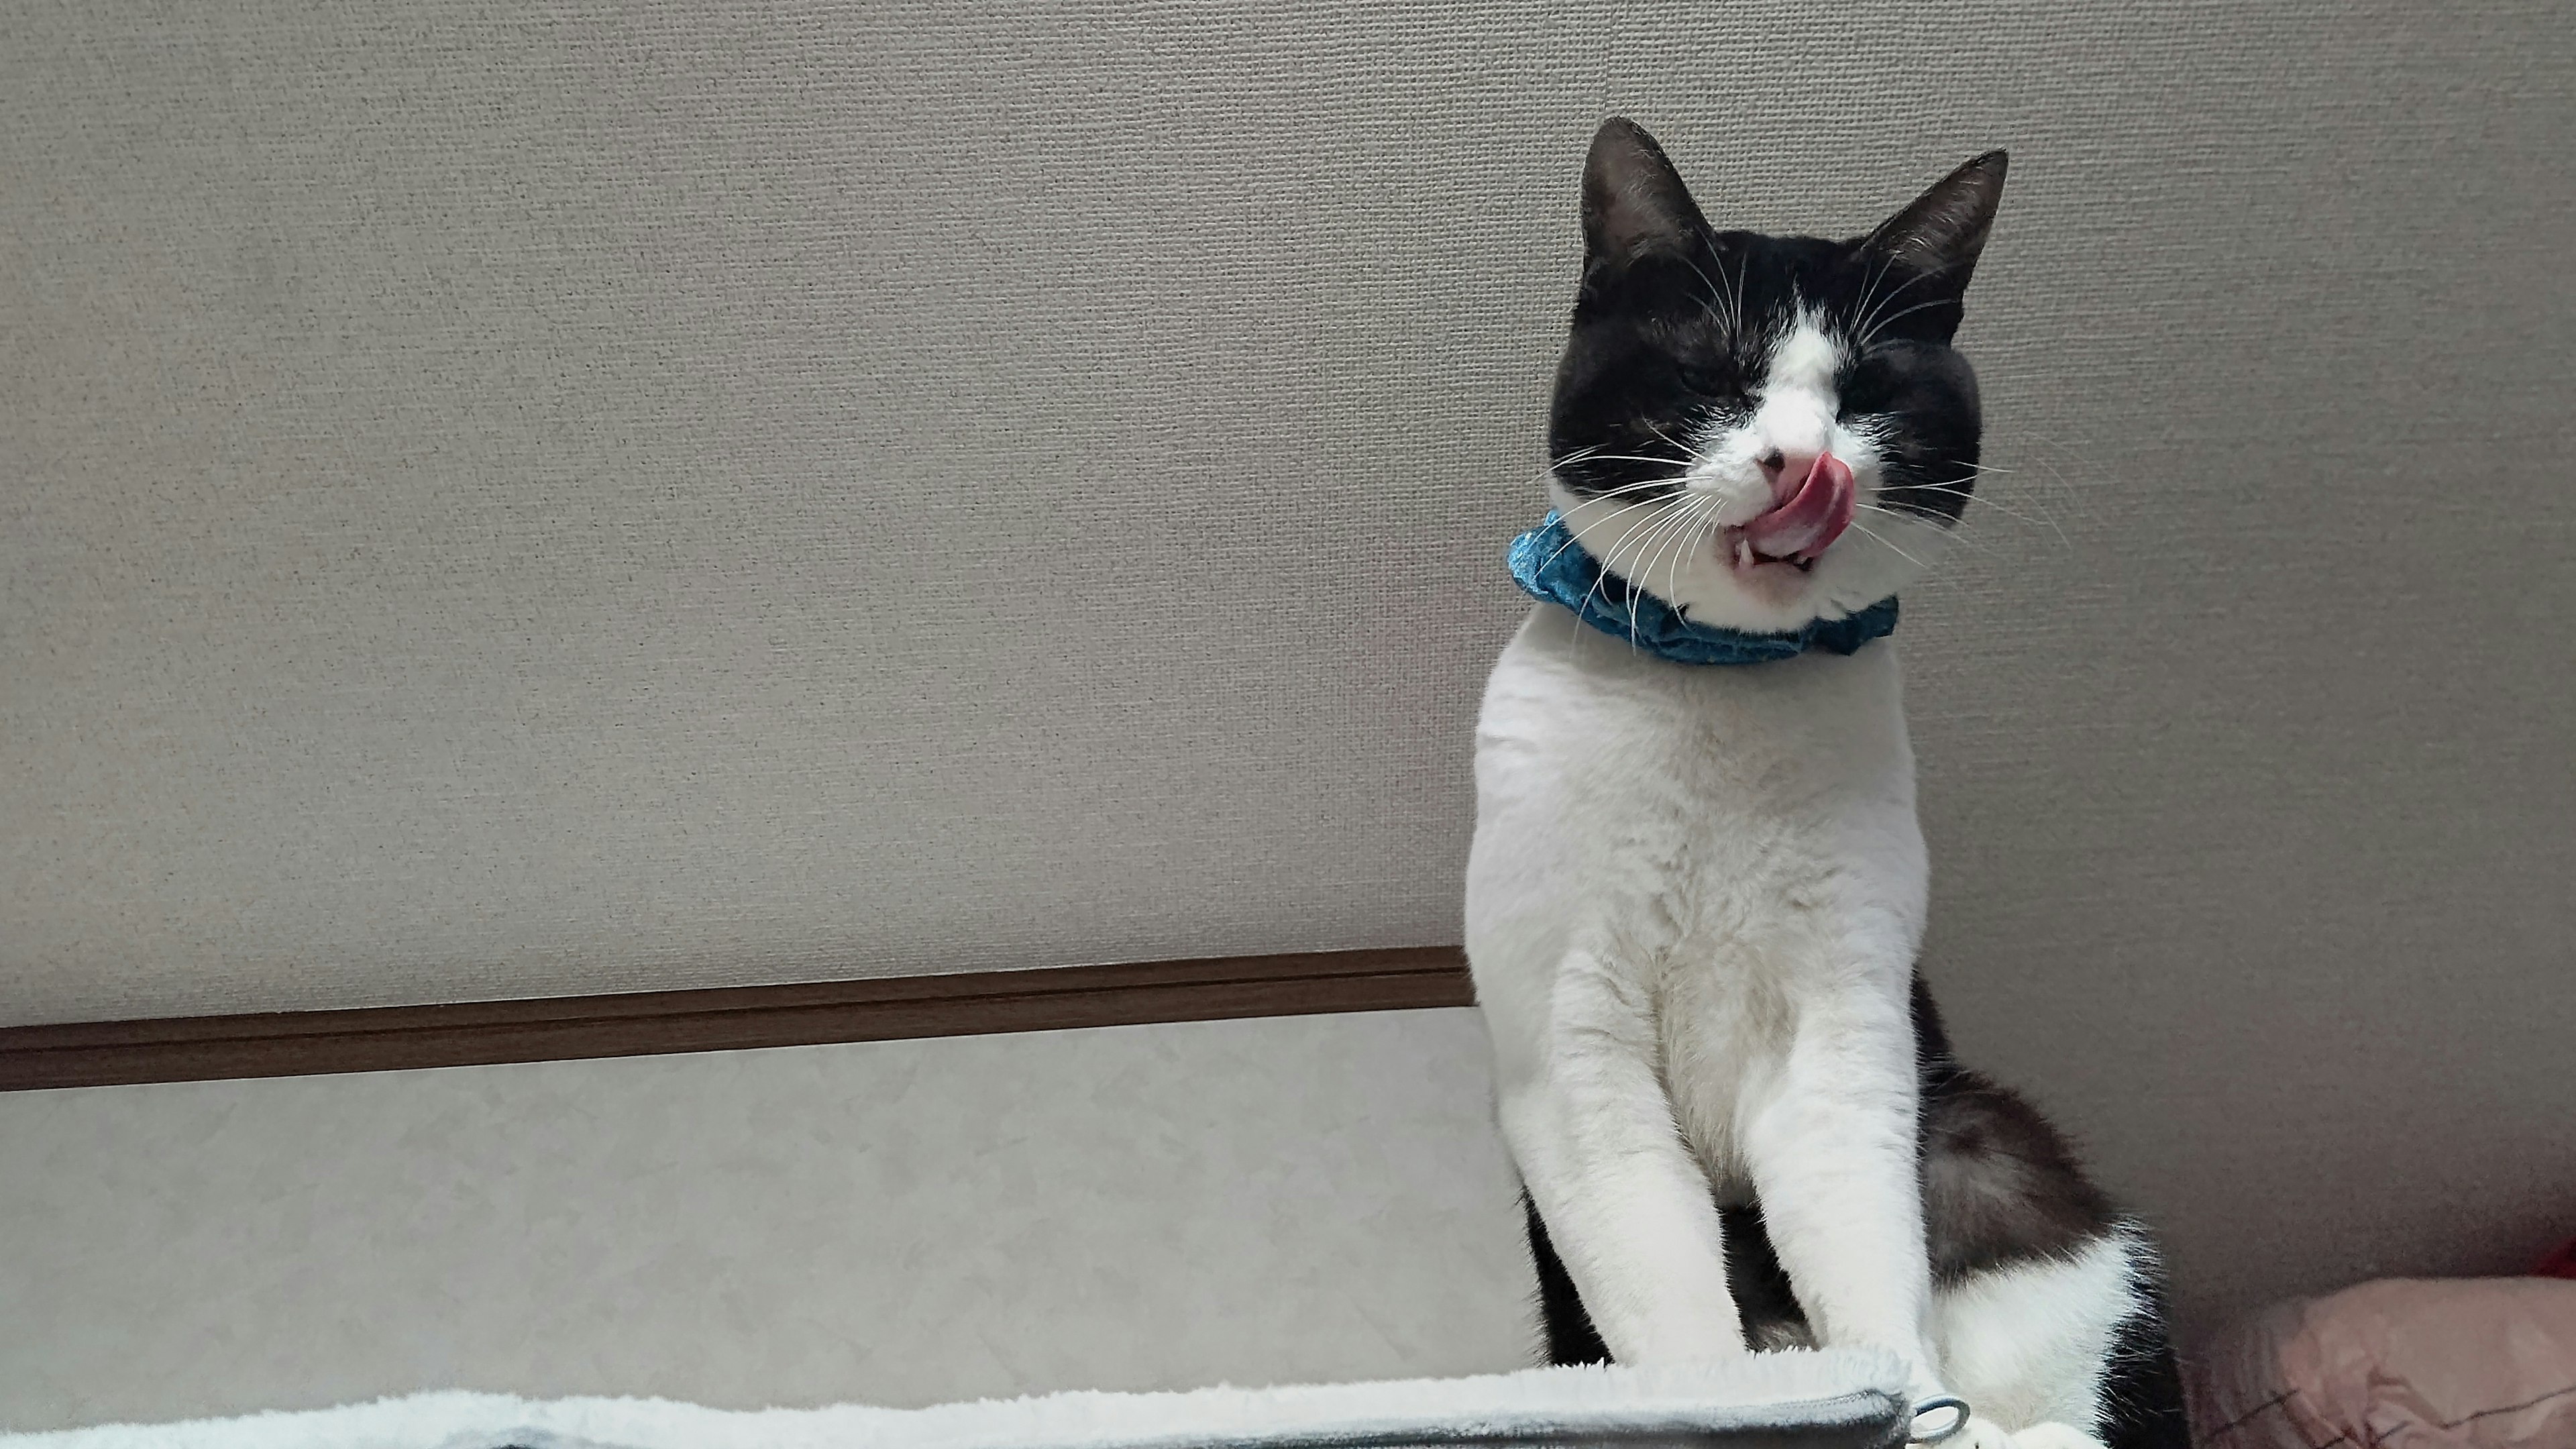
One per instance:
(1856,571)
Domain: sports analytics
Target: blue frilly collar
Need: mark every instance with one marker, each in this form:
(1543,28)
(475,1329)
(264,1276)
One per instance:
(1550,567)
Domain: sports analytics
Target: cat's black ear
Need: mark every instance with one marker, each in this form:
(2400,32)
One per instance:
(1945,228)
(1633,199)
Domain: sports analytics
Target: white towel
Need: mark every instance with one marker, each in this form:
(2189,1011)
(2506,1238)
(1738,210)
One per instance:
(1821,1400)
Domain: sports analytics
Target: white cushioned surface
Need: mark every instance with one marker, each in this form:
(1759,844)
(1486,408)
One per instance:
(1817,1401)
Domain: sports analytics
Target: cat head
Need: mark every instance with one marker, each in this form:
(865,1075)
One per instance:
(1765,430)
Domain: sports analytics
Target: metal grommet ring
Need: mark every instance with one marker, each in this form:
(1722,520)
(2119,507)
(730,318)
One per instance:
(1958,1419)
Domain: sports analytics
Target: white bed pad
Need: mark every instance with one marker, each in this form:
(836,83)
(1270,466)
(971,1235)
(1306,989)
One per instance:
(1820,1400)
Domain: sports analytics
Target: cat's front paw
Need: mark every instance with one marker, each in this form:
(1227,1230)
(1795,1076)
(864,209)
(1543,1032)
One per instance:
(1979,1433)
(1984,1433)
(2053,1436)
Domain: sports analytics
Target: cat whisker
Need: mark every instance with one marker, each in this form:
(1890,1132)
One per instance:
(1626,488)
(1626,458)
(1735,301)
(1866,532)
(1670,441)
(1674,524)
(1688,540)
(1955,530)
(1603,573)
(1709,305)
(1901,316)
(1574,536)
(1685,532)
(1873,324)
(2076,456)
(1680,545)
(1634,545)
(1986,503)
(1870,301)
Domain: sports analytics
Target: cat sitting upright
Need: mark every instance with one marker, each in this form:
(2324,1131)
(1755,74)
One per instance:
(1698,884)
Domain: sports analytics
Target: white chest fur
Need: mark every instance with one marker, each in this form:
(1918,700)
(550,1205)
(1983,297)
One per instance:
(1737,843)
(1693,903)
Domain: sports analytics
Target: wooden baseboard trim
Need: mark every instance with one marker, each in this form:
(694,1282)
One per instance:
(649,1023)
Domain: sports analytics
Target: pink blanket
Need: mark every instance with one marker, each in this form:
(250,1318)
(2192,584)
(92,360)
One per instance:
(2406,1364)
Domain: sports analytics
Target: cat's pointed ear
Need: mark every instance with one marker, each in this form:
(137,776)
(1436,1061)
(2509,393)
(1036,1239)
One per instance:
(1945,228)
(1633,199)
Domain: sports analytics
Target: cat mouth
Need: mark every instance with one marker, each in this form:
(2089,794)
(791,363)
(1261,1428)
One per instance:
(1744,558)
(1799,528)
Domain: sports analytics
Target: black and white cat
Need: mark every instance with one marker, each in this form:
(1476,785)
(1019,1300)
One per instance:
(1696,891)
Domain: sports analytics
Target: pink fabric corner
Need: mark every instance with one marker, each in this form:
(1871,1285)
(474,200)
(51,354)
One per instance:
(2405,1364)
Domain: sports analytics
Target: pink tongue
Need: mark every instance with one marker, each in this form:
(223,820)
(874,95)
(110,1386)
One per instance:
(1813,517)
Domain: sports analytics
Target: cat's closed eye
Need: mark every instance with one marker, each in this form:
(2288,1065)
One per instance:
(1709,377)
(1863,387)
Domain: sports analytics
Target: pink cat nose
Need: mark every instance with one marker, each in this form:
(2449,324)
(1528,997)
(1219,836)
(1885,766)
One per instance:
(1786,472)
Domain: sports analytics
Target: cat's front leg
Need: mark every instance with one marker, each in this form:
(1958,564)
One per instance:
(1626,1205)
(1831,1146)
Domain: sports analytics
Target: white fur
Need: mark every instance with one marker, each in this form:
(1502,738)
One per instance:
(1693,904)
(1692,907)
(2028,1344)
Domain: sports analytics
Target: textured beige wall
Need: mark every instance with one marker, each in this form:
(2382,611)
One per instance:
(510,500)
(905,1222)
